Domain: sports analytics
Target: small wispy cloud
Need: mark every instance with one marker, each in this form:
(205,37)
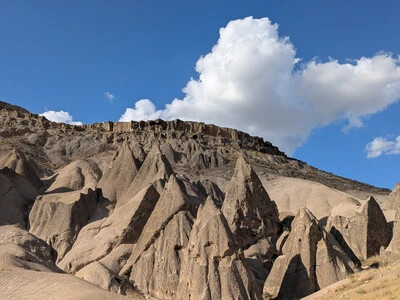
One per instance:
(381,145)
(110,97)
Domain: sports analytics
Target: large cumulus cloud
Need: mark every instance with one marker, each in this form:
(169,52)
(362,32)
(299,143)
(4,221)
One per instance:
(253,81)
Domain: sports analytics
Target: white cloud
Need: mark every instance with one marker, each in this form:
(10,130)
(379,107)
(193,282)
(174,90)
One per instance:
(144,110)
(253,81)
(381,145)
(109,96)
(60,117)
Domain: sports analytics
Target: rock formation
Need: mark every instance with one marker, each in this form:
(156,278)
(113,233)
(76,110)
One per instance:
(16,196)
(58,218)
(247,207)
(212,268)
(394,245)
(158,210)
(125,225)
(79,174)
(120,176)
(363,232)
(312,259)
(172,201)
(394,197)
(155,167)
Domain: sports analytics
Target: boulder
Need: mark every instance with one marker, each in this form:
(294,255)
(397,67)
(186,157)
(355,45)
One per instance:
(249,211)
(58,218)
(212,267)
(312,259)
(361,231)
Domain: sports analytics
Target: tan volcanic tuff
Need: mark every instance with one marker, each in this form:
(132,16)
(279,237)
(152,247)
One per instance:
(155,167)
(119,177)
(125,225)
(250,213)
(122,205)
(363,232)
(58,218)
(312,259)
(212,268)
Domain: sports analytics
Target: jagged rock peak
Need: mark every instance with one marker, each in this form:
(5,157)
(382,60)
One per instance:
(364,232)
(312,259)
(249,211)
(173,199)
(155,167)
(120,176)
(212,268)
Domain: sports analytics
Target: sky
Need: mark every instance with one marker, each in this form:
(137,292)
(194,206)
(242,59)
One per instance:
(319,79)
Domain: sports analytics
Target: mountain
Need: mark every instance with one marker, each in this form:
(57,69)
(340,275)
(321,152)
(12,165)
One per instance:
(166,210)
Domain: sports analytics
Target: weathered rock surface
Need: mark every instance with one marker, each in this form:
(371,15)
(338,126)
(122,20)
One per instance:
(172,200)
(16,196)
(249,211)
(208,187)
(58,218)
(212,268)
(363,232)
(17,161)
(21,237)
(394,245)
(79,174)
(155,167)
(157,270)
(15,257)
(312,259)
(120,176)
(125,225)
(394,197)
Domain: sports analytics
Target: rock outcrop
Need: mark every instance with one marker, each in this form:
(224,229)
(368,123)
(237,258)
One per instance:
(172,201)
(212,267)
(58,218)
(79,174)
(154,168)
(394,245)
(16,196)
(120,176)
(16,235)
(363,233)
(17,161)
(125,225)
(394,197)
(156,272)
(249,211)
(312,259)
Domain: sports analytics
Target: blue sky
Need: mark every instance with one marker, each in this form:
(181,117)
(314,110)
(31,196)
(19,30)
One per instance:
(65,55)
